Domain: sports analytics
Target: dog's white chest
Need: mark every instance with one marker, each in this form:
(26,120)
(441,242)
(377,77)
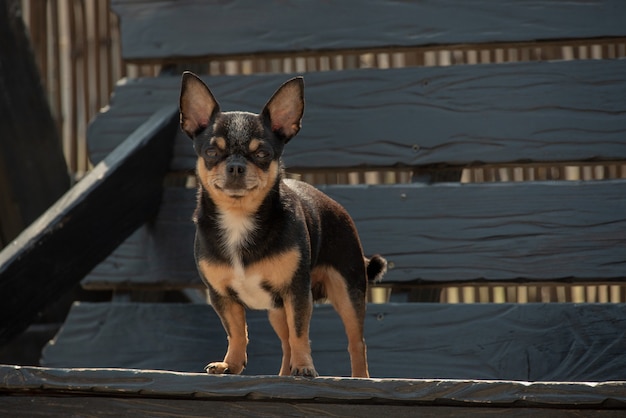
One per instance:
(245,284)
(252,284)
(236,233)
(249,289)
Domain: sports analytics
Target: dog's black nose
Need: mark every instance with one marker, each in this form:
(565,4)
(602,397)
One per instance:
(236,168)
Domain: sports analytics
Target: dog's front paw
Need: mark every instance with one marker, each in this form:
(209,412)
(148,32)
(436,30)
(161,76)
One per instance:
(220,367)
(304,371)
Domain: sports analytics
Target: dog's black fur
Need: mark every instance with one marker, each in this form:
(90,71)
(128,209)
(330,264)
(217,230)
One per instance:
(264,242)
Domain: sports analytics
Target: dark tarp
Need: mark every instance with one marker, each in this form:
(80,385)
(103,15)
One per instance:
(530,342)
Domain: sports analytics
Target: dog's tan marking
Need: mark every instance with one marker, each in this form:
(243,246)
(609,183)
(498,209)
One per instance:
(277,270)
(253,197)
(278,319)
(248,281)
(254,145)
(217,274)
(219,142)
(203,173)
(337,293)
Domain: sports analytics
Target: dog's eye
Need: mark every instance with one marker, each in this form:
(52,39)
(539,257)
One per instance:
(211,152)
(261,154)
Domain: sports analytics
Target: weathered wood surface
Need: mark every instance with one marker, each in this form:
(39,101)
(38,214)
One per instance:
(550,231)
(531,342)
(33,174)
(85,224)
(29,406)
(549,111)
(167,29)
(134,388)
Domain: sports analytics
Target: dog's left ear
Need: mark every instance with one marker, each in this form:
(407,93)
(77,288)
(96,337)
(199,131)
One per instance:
(283,112)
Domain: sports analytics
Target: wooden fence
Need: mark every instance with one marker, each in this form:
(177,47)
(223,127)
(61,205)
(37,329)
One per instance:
(77,46)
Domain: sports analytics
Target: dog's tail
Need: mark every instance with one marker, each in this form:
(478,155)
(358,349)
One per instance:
(376,268)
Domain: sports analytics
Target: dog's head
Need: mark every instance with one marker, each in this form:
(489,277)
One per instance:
(239,152)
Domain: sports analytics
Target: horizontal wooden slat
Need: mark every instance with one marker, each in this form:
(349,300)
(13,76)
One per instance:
(532,231)
(533,342)
(556,111)
(76,233)
(441,233)
(169,29)
(169,389)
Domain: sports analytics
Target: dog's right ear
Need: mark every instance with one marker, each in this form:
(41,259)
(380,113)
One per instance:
(198,107)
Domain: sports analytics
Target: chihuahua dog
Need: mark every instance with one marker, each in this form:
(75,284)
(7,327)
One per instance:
(265,242)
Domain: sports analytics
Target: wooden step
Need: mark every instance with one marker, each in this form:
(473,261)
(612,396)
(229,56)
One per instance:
(507,232)
(117,392)
(532,342)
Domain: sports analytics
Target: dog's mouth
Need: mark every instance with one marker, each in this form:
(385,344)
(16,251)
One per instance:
(235,193)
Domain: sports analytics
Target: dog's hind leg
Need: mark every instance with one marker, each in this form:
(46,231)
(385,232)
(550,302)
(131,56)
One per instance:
(350,305)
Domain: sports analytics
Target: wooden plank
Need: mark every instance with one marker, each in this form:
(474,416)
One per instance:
(29,406)
(161,30)
(85,224)
(543,231)
(528,342)
(493,231)
(171,386)
(185,394)
(546,112)
(158,255)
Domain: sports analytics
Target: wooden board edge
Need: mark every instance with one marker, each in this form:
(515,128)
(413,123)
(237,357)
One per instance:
(18,380)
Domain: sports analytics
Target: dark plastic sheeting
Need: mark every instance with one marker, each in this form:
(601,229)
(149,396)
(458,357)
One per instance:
(532,342)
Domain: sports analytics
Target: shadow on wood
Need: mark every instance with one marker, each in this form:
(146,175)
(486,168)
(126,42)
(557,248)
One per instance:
(33,173)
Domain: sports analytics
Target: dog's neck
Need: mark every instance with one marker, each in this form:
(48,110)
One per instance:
(237,229)
(236,234)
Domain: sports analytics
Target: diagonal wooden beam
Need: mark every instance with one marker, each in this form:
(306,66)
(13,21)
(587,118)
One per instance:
(85,224)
